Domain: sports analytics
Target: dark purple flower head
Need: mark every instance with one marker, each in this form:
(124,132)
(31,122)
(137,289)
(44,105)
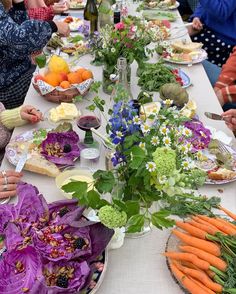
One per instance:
(61,148)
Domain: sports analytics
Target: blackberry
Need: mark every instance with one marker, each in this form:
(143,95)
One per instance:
(62,281)
(79,243)
(63,211)
(67,148)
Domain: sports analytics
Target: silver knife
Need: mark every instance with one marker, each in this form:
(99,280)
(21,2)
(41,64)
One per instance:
(215,116)
(21,163)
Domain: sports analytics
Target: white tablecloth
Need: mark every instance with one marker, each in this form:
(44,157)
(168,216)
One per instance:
(138,267)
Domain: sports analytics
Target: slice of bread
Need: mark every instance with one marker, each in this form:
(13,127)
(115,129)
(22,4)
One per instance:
(186,47)
(222,174)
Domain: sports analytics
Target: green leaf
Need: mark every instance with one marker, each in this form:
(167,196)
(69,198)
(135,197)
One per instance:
(135,224)
(93,199)
(41,60)
(138,156)
(105,181)
(78,98)
(159,219)
(132,208)
(82,199)
(76,186)
(120,204)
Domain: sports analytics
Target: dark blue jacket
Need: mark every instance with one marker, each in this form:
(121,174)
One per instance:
(19,38)
(220,16)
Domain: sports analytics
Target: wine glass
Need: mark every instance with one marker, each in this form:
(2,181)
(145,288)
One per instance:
(89,119)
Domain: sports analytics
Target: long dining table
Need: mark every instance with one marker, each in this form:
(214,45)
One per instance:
(138,267)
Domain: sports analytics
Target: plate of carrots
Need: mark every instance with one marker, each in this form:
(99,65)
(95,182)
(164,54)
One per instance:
(201,253)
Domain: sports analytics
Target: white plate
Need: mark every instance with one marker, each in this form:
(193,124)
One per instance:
(202,56)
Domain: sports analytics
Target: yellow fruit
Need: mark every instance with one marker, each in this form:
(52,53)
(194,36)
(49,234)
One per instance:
(53,79)
(58,65)
(74,78)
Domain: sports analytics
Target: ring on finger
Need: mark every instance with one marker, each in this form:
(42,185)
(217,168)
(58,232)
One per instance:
(5,180)
(5,186)
(4,174)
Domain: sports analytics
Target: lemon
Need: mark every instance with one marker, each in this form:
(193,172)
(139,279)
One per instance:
(58,65)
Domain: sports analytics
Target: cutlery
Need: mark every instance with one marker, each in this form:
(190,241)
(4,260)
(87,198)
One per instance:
(21,163)
(182,26)
(216,116)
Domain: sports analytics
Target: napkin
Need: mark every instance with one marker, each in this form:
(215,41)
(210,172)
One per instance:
(219,135)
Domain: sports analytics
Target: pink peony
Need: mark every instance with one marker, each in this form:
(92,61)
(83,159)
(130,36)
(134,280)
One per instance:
(120,26)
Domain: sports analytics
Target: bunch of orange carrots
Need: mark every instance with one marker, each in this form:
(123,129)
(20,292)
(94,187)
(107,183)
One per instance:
(207,255)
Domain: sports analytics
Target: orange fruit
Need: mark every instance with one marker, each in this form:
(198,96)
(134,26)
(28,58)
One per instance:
(53,79)
(80,71)
(87,74)
(74,78)
(65,84)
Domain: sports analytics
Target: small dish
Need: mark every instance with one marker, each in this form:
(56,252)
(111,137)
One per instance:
(81,174)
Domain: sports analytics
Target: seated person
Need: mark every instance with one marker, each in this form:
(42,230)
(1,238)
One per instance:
(231,121)
(214,25)
(37,9)
(225,86)
(8,120)
(187,7)
(19,38)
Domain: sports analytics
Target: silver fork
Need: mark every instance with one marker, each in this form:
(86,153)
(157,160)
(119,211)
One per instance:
(223,148)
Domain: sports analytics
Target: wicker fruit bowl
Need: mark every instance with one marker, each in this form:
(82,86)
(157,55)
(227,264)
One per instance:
(57,82)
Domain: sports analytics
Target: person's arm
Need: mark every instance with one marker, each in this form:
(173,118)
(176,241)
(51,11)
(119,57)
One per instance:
(219,9)
(28,37)
(225,86)
(18,12)
(41,13)
(197,12)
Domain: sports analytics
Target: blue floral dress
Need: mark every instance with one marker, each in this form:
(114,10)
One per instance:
(19,38)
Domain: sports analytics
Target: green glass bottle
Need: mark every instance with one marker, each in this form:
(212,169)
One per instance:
(91,15)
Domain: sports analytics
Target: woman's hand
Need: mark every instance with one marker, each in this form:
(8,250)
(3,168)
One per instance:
(231,118)
(31,114)
(58,8)
(197,25)
(62,28)
(8,183)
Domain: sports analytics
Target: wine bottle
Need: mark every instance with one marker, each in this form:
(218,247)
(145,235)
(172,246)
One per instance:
(104,17)
(117,13)
(91,15)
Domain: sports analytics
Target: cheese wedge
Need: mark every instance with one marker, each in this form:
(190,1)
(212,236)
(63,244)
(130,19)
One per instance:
(65,111)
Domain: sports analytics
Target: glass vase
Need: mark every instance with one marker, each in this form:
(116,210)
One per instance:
(109,77)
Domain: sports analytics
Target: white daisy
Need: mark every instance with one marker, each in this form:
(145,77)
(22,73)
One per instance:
(142,145)
(189,146)
(145,128)
(136,120)
(155,141)
(113,50)
(162,180)
(166,140)
(185,165)
(187,132)
(168,102)
(164,130)
(183,149)
(119,134)
(151,166)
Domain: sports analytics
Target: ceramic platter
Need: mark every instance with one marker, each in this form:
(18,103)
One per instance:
(162,7)
(201,56)
(172,244)
(185,79)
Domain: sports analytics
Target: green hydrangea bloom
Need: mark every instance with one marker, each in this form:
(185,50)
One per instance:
(165,160)
(199,176)
(111,217)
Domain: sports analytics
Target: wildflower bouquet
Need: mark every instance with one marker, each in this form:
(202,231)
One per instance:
(128,39)
(154,161)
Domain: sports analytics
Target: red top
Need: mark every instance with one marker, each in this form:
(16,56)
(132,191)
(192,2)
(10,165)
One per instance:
(225,86)
(40,13)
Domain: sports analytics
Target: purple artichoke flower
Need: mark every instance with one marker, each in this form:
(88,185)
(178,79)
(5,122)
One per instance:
(65,277)
(19,270)
(61,148)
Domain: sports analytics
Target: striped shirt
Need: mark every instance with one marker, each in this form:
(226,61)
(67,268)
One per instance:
(225,86)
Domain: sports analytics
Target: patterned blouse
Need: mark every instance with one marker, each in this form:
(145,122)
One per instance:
(19,38)
(5,134)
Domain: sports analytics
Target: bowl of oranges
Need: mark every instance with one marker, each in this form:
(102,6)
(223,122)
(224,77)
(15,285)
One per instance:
(56,82)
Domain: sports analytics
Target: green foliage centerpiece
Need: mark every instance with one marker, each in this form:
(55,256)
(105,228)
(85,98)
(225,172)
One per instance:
(154,158)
